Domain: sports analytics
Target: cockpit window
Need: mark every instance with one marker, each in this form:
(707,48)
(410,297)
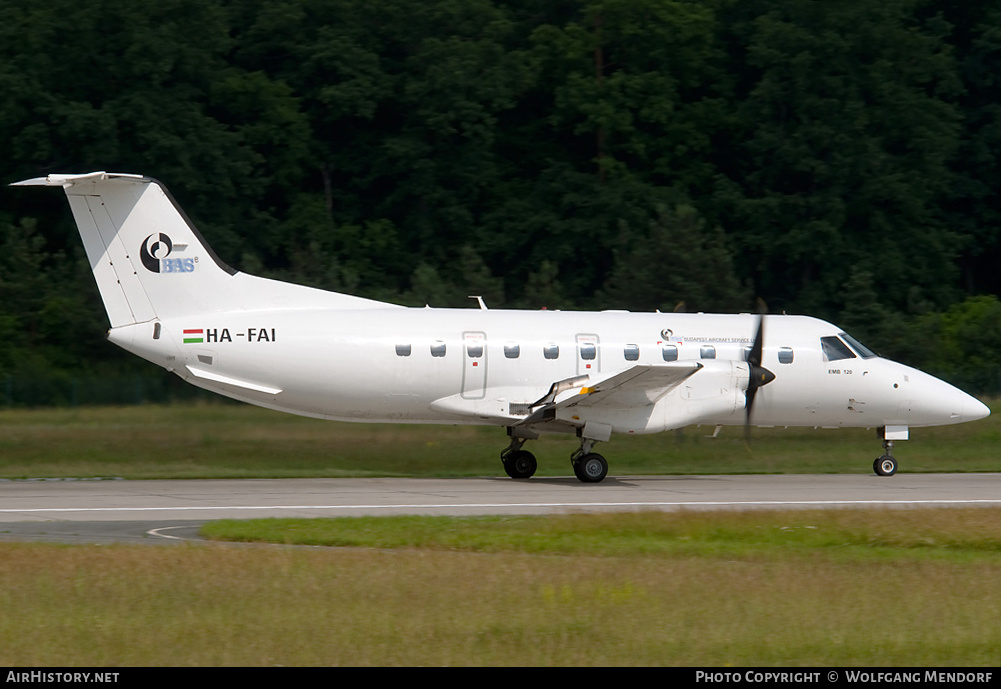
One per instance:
(835,349)
(862,350)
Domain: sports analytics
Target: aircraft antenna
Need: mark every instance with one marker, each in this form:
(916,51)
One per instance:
(479,300)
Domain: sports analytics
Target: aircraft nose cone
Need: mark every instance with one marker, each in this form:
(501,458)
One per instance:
(962,407)
(942,403)
(974,409)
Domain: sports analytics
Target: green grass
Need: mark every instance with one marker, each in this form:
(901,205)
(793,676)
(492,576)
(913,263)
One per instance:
(863,534)
(836,588)
(216,440)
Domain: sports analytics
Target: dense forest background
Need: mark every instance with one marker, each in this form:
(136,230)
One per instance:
(837,159)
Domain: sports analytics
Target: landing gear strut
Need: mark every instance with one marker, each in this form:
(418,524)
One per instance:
(885,465)
(589,467)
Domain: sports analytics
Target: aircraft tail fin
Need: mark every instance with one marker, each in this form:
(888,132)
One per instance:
(150,262)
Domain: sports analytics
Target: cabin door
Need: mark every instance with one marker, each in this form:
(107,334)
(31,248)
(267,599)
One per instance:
(474,365)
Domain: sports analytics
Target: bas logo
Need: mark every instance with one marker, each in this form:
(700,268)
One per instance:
(154,255)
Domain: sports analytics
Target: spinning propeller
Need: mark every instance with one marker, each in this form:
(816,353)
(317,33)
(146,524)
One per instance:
(759,375)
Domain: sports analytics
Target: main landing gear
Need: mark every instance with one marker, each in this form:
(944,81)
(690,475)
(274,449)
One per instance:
(588,466)
(518,463)
(885,465)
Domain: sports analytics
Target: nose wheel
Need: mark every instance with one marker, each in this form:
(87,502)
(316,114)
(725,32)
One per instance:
(885,465)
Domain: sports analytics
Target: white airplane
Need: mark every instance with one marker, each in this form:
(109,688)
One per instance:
(306,351)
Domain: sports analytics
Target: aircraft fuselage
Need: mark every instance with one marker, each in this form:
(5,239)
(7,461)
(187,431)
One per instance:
(485,366)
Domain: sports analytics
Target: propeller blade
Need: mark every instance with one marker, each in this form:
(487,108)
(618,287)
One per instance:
(749,402)
(758,375)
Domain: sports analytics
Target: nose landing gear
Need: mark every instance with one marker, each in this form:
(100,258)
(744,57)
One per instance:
(885,465)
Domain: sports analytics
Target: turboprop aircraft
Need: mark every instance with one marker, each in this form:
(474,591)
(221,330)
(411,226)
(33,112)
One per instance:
(172,301)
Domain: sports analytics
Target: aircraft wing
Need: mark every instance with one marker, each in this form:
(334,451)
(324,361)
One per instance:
(635,387)
(638,386)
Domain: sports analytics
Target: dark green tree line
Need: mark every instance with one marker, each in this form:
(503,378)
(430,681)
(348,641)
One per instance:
(833,159)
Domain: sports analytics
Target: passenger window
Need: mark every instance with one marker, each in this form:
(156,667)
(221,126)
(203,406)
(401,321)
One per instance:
(438,348)
(402,350)
(835,349)
(474,351)
(707,352)
(670,352)
(551,351)
(747,352)
(785,355)
(512,351)
(631,352)
(588,351)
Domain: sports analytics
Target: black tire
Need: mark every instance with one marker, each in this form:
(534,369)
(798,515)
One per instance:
(521,464)
(591,468)
(885,466)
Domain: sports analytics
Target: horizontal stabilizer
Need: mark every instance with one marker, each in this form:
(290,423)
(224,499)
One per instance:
(67,180)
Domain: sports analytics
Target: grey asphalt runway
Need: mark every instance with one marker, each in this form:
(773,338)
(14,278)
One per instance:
(103,511)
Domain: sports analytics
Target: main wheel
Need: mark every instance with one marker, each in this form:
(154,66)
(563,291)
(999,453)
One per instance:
(521,464)
(885,466)
(591,468)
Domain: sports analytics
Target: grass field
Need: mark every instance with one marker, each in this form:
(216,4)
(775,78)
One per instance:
(902,587)
(835,588)
(219,440)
